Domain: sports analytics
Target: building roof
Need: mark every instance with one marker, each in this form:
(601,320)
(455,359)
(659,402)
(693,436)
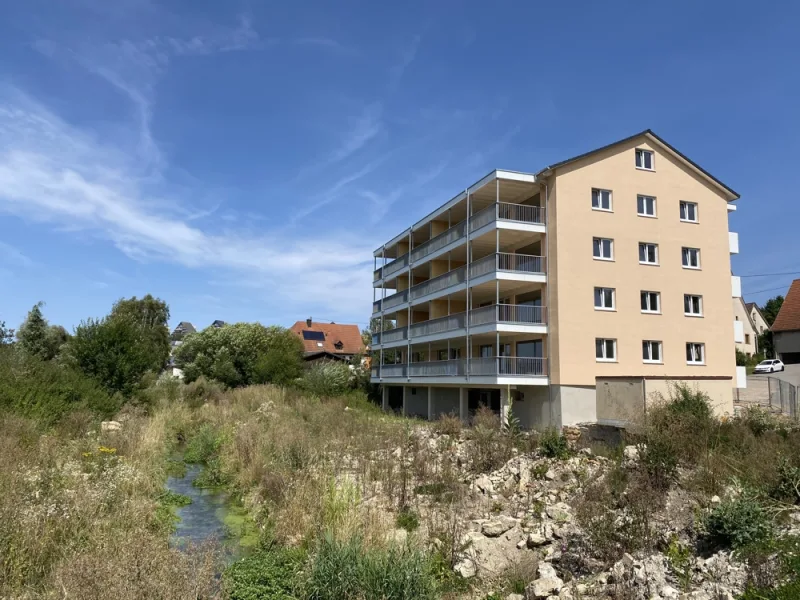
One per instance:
(750,306)
(185,327)
(330,337)
(747,314)
(788,318)
(649,133)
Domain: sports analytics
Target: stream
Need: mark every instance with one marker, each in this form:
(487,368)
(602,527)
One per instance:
(204,519)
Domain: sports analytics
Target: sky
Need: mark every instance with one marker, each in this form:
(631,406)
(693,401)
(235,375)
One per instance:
(243,159)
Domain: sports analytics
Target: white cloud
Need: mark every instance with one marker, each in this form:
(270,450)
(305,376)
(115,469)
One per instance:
(53,173)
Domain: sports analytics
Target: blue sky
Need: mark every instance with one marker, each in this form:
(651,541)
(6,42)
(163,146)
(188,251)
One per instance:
(242,160)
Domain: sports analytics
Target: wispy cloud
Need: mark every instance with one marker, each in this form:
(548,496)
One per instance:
(380,203)
(53,173)
(11,256)
(407,56)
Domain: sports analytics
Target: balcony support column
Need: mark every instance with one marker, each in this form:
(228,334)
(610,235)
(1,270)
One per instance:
(405,393)
(385,398)
(463,406)
(468,266)
(505,405)
(430,403)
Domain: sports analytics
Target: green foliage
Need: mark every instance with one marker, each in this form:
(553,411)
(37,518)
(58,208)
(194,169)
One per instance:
(773,569)
(347,570)
(660,459)
(771,309)
(682,562)
(553,444)
(6,335)
(241,354)
(787,487)
(48,391)
(39,339)
(741,358)
(689,402)
(407,519)
(150,316)
(200,391)
(269,573)
(327,378)
(766,344)
(738,522)
(203,448)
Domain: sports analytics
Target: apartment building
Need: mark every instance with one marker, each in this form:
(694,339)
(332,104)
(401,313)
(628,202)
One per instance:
(573,294)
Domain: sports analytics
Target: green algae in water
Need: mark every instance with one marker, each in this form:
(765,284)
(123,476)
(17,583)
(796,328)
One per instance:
(240,525)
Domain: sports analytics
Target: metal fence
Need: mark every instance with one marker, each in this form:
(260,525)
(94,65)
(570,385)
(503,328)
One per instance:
(770,392)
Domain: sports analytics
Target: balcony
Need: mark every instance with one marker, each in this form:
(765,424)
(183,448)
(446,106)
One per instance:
(733,242)
(390,335)
(738,332)
(494,366)
(499,211)
(736,286)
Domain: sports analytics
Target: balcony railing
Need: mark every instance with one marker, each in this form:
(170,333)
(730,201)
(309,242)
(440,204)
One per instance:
(501,366)
(507,313)
(394,335)
(440,241)
(440,325)
(502,261)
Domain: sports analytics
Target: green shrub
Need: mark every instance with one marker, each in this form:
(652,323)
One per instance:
(554,444)
(327,378)
(686,401)
(200,391)
(759,420)
(203,449)
(270,573)
(660,459)
(449,424)
(738,522)
(407,519)
(787,487)
(347,570)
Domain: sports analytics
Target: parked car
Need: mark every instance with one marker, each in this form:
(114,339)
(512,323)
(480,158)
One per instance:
(769,366)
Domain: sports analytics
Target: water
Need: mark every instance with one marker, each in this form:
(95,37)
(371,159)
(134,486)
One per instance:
(204,519)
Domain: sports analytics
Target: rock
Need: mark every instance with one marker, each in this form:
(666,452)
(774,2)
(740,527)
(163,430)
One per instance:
(544,587)
(465,568)
(550,475)
(546,570)
(536,539)
(521,544)
(498,526)
(715,500)
(397,536)
(559,512)
(110,426)
(484,484)
(515,597)
(631,453)
(397,452)
(668,592)
(581,588)
(587,451)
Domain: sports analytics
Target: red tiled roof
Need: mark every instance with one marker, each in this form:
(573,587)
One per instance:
(348,335)
(788,318)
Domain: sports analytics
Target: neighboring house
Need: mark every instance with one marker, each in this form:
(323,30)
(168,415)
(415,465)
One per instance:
(786,328)
(575,293)
(328,340)
(759,322)
(217,324)
(184,328)
(744,333)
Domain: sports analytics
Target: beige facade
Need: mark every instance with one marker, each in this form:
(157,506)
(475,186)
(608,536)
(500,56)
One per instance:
(496,292)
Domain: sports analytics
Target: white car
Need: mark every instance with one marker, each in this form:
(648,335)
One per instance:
(769,366)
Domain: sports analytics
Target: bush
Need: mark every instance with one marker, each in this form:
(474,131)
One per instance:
(347,570)
(407,519)
(449,425)
(490,447)
(200,391)
(738,521)
(660,460)
(554,444)
(327,378)
(269,573)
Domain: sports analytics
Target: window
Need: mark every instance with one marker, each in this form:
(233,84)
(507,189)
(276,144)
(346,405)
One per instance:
(651,302)
(604,298)
(689,211)
(651,351)
(486,351)
(691,258)
(605,350)
(603,248)
(692,305)
(746,338)
(442,354)
(648,253)
(644,159)
(695,353)
(646,206)
(601,199)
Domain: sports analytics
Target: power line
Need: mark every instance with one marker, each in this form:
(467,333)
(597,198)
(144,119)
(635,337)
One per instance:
(773,274)
(783,287)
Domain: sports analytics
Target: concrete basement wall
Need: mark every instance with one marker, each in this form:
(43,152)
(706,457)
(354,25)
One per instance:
(417,403)
(445,401)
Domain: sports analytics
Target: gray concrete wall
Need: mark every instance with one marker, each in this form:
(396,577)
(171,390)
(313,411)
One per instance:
(532,408)
(577,404)
(620,400)
(445,401)
(786,341)
(417,403)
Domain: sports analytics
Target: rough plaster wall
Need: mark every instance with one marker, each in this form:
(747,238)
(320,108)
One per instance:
(445,401)
(620,400)
(533,409)
(720,391)
(578,404)
(417,404)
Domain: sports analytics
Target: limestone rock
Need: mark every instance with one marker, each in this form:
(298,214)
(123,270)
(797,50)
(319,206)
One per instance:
(110,426)
(537,539)
(466,568)
(544,587)
(631,453)
(484,484)
(497,526)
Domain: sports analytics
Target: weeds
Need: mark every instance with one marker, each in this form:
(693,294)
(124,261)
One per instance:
(554,445)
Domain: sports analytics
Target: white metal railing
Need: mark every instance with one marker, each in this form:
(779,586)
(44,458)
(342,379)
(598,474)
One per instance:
(394,335)
(483,217)
(520,212)
(439,283)
(521,313)
(440,241)
(393,370)
(440,325)
(395,299)
(521,366)
(524,263)
(435,368)
(483,315)
(482,266)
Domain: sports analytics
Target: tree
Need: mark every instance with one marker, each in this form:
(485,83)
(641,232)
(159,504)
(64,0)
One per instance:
(6,335)
(771,308)
(32,333)
(149,316)
(241,354)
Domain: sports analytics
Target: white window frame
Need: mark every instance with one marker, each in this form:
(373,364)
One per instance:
(641,152)
(686,219)
(644,198)
(686,254)
(695,346)
(641,262)
(699,303)
(599,207)
(610,247)
(651,360)
(603,297)
(650,311)
(605,348)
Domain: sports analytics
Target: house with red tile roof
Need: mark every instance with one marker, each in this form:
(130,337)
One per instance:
(328,340)
(786,328)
